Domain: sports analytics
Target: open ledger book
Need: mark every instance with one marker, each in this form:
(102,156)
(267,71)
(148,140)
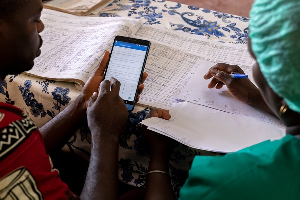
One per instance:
(75,7)
(73,48)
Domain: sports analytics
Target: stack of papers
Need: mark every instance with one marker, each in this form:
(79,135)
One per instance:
(208,129)
(202,118)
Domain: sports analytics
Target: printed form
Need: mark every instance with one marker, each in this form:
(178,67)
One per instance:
(172,56)
(74,46)
(214,121)
(76,6)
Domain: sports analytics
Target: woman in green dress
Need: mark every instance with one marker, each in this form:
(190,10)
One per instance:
(268,170)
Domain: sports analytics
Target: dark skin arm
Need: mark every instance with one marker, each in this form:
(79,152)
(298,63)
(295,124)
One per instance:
(107,116)
(158,185)
(242,89)
(58,130)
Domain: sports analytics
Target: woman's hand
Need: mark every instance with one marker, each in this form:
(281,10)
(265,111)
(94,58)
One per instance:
(158,185)
(160,147)
(242,89)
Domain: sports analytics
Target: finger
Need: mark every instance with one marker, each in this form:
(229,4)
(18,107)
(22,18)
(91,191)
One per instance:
(115,86)
(104,87)
(228,68)
(153,113)
(213,83)
(166,115)
(97,76)
(102,66)
(92,99)
(213,70)
(234,69)
(144,77)
(219,85)
(223,77)
(208,75)
(160,113)
(141,88)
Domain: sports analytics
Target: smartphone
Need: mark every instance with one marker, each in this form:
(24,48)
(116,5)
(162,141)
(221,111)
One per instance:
(126,63)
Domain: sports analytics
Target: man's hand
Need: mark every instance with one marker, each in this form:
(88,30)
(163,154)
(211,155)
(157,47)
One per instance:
(106,112)
(242,89)
(92,85)
(106,116)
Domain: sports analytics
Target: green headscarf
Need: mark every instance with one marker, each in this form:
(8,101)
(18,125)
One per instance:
(275,37)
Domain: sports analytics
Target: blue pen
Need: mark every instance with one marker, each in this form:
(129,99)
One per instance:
(239,75)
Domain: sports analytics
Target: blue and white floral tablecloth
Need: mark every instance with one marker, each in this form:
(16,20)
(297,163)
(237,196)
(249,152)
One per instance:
(179,17)
(43,99)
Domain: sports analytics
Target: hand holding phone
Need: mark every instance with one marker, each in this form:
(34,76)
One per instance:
(126,63)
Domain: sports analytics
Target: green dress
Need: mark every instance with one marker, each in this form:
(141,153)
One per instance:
(268,170)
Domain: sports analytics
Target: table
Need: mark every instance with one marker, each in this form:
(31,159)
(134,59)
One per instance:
(42,99)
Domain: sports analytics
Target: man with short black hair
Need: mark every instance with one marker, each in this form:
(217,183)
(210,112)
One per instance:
(25,167)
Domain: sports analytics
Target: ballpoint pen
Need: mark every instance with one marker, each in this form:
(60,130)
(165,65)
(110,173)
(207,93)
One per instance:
(236,75)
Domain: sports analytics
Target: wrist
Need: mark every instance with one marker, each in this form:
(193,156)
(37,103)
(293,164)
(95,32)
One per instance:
(104,138)
(159,172)
(159,156)
(80,106)
(158,164)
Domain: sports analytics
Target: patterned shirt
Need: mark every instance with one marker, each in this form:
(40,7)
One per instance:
(26,170)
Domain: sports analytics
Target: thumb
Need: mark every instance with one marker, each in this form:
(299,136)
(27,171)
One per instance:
(92,99)
(223,77)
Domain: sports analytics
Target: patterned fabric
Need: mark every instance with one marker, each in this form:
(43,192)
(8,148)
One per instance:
(43,99)
(25,169)
(275,42)
(134,166)
(179,17)
(269,170)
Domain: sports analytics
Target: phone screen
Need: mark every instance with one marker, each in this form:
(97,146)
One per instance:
(126,64)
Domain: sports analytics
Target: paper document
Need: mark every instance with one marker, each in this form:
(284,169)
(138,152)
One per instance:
(236,54)
(207,129)
(167,67)
(215,121)
(77,7)
(172,56)
(73,46)
(194,89)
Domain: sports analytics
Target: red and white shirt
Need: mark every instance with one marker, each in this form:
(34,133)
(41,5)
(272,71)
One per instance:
(26,170)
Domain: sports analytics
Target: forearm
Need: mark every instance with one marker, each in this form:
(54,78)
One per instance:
(58,130)
(258,101)
(102,176)
(158,185)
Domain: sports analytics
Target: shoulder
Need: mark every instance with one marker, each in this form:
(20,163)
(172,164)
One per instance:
(254,171)
(9,113)
(24,163)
